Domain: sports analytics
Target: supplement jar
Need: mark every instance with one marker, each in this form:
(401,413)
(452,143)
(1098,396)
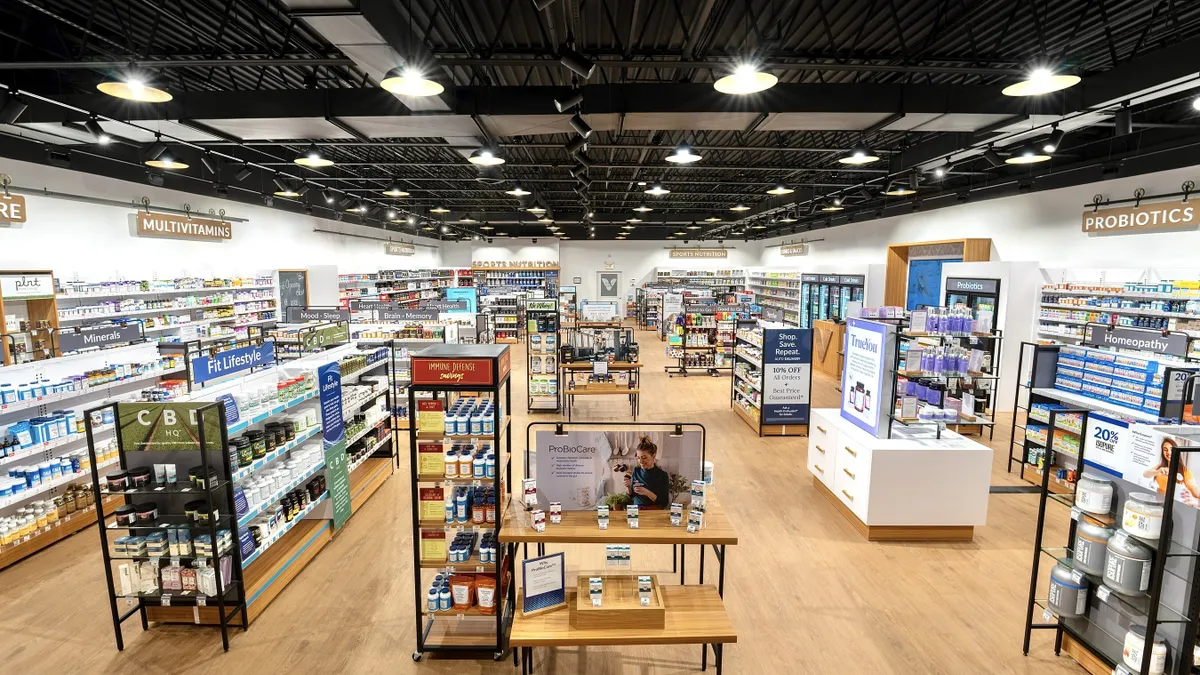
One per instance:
(1091,546)
(1094,494)
(1143,515)
(125,515)
(1068,597)
(1127,564)
(1135,643)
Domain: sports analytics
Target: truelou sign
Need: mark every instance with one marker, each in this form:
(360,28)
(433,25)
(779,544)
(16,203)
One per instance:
(1147,217)
(180,227)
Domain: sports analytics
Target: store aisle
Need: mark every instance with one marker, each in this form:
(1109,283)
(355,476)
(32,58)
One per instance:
(806,593)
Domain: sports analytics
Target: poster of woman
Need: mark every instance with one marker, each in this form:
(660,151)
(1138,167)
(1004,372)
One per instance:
(583,469)
(1158,474)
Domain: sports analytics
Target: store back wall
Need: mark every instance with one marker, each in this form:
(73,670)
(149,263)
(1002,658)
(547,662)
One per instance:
(636,261)
(93,242)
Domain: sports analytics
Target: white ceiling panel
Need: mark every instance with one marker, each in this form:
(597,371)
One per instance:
(266,129)
(911,121)
(709,121)
(532,125)
(345,30)
(832,121)
(48,132)
(414,126)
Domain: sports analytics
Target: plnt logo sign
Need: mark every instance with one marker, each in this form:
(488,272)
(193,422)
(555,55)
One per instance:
(1147,217)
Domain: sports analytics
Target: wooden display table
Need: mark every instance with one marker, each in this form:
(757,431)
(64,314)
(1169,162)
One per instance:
(694,614)
(566,370)
(828,337)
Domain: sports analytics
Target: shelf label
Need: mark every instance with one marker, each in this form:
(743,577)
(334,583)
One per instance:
(333,431)
(1076,512)
(1102,593)
(165,600)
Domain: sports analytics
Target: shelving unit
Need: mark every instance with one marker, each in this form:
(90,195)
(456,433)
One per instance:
(768,406)
(950,384)
(728,278)
(541,355)
(1064,309)
(484,369)
(779,291)
(29,338)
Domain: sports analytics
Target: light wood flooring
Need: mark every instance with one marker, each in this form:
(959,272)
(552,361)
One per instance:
(805,592)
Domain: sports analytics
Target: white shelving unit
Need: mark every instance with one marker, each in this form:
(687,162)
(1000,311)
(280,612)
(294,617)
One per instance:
(779,290)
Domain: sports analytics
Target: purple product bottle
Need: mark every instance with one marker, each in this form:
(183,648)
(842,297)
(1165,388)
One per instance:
(939,365)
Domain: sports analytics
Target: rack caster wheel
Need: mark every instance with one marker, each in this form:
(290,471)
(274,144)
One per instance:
(416,657)
(498,656)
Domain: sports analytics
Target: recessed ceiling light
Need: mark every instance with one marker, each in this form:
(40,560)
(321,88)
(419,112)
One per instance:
(409,82)
(658,190)
(1041,81)
(517,191)
(439,209)
(739,207)
(394,190)
(1026,155)
(134,88)
(780,189)
(746,79)
(485,157)
(859,155)
(712,219)
(642,208)
(683,154)
(312,158)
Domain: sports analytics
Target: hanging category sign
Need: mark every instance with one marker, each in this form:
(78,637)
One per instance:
(323,337)
(399,248)
(699,253)
(304,314)
(984,286)
(182,227)
(12,208)
(1178,215)
(445,305)
(793,250)
(333,435)
(408,315)
(98,336)
(230,361)
(1142,339)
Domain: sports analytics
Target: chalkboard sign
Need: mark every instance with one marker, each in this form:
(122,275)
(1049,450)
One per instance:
(293,288)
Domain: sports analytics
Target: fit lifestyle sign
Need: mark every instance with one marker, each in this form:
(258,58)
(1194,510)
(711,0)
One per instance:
(1178,215)
(793,250)
(398,248)
(12,209)
(699,253)
(180,227)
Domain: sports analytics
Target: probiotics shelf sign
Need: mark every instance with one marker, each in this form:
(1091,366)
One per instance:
(333,436)
(787,375)
(866,382)
(230,361)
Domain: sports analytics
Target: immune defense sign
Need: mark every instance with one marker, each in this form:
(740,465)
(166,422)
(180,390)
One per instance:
(1145,218)
(452,371)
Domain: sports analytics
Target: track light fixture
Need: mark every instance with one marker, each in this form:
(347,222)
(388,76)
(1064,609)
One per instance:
(576,62)
(865,192)
(242,173)
(1124,121)
(577,170)
(209,163)
(577,144)
(154,178)
(312,158)
(345,202)
(12,109)
(573,99)
(99,133)
(156,148)
(993,157)
(279,182)
(583,159)
(580,126)
(1054,140)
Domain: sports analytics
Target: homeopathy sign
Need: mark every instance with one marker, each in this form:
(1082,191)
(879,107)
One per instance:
(1143,218)
(1141,339)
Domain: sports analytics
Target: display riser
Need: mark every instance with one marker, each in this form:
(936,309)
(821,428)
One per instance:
(78,521)
(1087,660)
(897,532)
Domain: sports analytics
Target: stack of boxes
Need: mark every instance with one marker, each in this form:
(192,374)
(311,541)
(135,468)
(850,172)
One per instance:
(1127,381)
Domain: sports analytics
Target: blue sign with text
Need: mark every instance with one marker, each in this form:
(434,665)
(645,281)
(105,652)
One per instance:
(787,375)
(329,379)
(232,361)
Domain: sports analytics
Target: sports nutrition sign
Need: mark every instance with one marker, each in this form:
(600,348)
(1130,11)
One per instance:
(1144,218)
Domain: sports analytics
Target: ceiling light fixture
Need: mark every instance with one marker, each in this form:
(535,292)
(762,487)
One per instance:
(693,226)
(712,219)
(577,144)
(546,219)
(859,155)
(327,196)
(642,208)
(1196,103)
(1054,140)
(167,160)
(285,189)
(576,62)
(536,210)
(683,154)
(312,158)
(897,189)
(780,189)
(583,159)
(657,190)
(99,133)
(394,190)
(517,191)
(486,228)
(209,163)
(1027,155)
(633,220)
(12,109)
(391,215)
(242,173)
(758,226)
(739,208)
(428,227)
(410,82)
(746,79)
(789,217)
(485,157)
(134,88)
(439,209)
(572,100)
(445,229)
(467,220)
(993,157)
(1041,81)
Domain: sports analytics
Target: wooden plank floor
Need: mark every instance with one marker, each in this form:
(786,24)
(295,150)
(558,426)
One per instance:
(805,592)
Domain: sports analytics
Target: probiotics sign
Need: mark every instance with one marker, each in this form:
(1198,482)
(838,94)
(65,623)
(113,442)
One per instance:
(182,227)
(787,375)
(12,208)
(1178,215)
(866,385)
(232,361)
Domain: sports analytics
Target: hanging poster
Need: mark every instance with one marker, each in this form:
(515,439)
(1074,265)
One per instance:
(333,434)
(583,469)
(866,378)
(787,375)
(1149,463)
(610,283)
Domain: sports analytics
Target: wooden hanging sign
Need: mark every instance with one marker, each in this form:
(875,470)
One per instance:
(182,227)
(12,208)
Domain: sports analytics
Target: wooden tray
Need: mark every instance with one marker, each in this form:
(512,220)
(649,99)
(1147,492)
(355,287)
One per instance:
(621,606)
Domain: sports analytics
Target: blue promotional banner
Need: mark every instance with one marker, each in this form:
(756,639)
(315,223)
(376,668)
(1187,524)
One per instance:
(866,382)
(787,375)
(232,415)
(232,361)
(467,294)
(333,433)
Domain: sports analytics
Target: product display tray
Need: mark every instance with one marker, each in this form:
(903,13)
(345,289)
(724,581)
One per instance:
(620,604)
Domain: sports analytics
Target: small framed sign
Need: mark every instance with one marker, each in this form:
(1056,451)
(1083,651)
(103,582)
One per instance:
(545,584)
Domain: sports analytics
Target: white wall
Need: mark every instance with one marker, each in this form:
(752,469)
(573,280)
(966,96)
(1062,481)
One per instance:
(637,259)
(93,242)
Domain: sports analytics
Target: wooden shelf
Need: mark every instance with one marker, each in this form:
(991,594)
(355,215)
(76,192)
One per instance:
(746,417)
(654,527)
(470,566)
(368,478)
(487,437)
(67,526)
(694,615)
(451,632)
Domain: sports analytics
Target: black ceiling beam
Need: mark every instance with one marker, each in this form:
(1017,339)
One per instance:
(598,99)
(163,64)
(728,64)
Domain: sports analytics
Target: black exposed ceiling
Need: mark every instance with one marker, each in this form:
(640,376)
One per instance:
(917,80)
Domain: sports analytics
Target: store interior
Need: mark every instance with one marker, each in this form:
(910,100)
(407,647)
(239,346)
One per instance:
(340,337)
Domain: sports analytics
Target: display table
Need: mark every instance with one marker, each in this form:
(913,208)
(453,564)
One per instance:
(695,614)
(913,486)
(584,368)
(828,337)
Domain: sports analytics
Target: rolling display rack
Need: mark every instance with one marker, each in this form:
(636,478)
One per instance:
(452,375)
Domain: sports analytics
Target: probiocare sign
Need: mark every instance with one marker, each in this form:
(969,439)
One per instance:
(1178,215)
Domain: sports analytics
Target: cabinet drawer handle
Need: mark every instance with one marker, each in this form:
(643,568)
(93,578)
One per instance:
(821,429)
(849,474)
(852,453)
(818,468)
(819,449)
(848,495)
